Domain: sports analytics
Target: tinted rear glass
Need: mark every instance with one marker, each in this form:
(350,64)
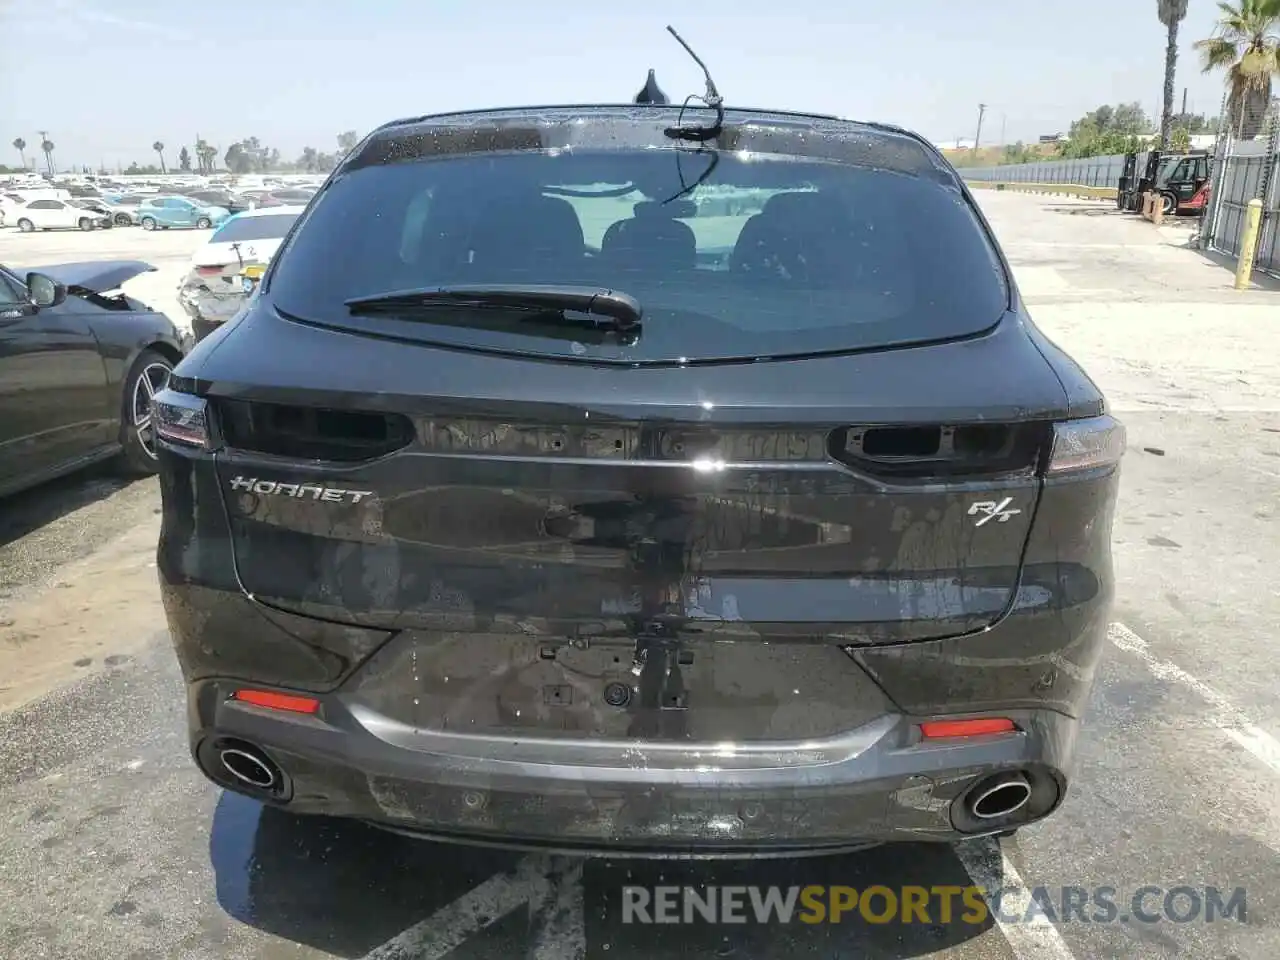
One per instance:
(271,227)
(766,255)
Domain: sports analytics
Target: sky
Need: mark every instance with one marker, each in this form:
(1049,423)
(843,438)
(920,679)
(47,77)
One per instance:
(107,78)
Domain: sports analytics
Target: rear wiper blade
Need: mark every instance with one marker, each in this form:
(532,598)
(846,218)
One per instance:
(621,311)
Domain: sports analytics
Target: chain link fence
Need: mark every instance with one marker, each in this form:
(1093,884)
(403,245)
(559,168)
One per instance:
(1246,167)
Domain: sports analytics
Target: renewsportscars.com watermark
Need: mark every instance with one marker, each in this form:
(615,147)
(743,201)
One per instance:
(929,905)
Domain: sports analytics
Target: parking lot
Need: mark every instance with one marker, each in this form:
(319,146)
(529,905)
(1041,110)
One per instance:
(113,846)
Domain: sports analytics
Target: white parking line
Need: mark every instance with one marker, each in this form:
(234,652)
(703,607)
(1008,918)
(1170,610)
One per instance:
(561,925)
(1225,716)
(551,890)
(1030,938)
(478,908)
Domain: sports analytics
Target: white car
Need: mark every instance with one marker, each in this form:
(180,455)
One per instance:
(13,198)
(50,214)
(250,237)
(212,289)
(9,203)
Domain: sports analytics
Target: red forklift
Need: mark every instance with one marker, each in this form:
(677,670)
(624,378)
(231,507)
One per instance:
(1181,179)
(1184,184)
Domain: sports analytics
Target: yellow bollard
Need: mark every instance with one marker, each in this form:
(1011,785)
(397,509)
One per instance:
(1248,244)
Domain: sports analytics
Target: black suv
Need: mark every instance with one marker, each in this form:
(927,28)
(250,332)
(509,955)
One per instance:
(628,478)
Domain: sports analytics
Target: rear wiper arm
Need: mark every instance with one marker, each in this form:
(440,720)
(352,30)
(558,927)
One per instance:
(621,311)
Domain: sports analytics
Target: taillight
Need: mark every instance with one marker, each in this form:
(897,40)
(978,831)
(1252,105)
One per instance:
(211,271)
(1080,445)
(181,418)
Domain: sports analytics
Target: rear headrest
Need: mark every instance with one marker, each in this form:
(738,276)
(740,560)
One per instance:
(650,242)
(526,231)
(797,236)
(798,203)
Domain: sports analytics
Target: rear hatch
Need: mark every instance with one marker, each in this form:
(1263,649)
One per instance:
(826,435)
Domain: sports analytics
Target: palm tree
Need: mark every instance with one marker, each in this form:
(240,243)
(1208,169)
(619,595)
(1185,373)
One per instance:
(46,146)
(1171,14)
(1247,44)
(205,155)
(21,146)
(158,147)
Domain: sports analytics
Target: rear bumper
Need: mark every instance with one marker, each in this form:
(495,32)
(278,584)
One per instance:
(854,773)
(875,784)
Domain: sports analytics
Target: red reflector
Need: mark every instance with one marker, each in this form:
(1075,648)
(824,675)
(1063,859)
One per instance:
(209,271)
(941,729)
(278,701)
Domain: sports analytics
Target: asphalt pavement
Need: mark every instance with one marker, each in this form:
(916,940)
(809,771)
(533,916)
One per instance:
(112,847)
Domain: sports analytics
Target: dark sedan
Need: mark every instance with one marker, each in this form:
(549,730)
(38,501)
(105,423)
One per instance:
(79,363)
(635,479)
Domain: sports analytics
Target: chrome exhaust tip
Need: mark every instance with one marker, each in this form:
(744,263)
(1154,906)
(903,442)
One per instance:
(248,767)
(1000,798)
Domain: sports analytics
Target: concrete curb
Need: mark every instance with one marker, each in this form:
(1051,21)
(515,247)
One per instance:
(1052,189)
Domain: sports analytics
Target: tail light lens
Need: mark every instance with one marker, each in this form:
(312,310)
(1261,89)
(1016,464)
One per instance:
(181,418)
(979,727)
(271,700)
(1080,445)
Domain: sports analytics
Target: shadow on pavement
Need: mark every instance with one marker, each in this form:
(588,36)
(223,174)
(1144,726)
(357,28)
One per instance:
(347,888)
(1076,210)
(1260,280)
(25,512)
(335,885)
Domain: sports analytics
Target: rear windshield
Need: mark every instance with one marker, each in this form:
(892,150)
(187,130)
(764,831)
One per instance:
(268,227)
(731,254)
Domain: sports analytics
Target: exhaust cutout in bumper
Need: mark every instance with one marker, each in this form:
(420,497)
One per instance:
(1007,800)
(244,767)
(1002,798)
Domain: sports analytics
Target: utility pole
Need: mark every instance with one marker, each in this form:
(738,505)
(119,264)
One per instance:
(1004,119)
(1184,102)
(977,137)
